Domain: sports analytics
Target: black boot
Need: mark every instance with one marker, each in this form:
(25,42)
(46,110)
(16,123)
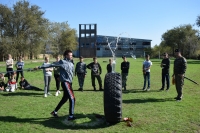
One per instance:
(101,89)
(80,89)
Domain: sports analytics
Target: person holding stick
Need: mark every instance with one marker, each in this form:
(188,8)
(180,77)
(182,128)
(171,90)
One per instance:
(180,66)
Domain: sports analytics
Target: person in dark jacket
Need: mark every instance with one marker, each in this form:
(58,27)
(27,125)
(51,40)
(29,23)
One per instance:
(95,73)
(24,84)
(109,66)
(2,82)
(80,71)
(56,73)
(180,66)
(124,71)
(165,65)
(19,65)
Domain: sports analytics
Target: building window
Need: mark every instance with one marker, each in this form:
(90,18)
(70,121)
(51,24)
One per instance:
(92,34)
(119,48)
(146,43)
(98,48)
(119,43)
(106,48)
(131,48)
(88,35)
(87,27)
(92,27)
(82,27)
(133,43)
(82,35)
(105,43)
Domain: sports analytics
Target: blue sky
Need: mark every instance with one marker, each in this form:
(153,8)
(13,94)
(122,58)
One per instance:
(144,19)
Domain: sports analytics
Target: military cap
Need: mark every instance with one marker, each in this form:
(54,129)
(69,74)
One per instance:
(123,56)
(177,50)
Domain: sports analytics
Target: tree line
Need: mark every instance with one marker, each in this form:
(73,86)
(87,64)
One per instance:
(183,37)
(24,31)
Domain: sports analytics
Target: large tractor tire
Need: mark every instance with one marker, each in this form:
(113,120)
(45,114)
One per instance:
(113,97)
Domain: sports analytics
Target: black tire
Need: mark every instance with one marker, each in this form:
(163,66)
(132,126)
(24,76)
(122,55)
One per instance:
(113,97)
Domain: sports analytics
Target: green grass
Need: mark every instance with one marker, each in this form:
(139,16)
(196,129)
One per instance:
(154,111)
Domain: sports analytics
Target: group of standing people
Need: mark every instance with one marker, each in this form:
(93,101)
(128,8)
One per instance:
(9,67)
(64,70)
(180,66)
(10,73)
(13,76)
(96,70)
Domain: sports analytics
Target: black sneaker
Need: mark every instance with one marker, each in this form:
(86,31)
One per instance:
(71,118)
(178,99)
(125,88)
(161,89)
(101,89)
(144,89)
(175,97)
(80,89)
(54,114)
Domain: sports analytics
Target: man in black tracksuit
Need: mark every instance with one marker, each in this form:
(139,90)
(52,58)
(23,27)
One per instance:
(165,65)
(95,73)
(124,71)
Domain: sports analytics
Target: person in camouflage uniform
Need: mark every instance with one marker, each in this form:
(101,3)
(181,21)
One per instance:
(80,71)
(124,71)
(180,65)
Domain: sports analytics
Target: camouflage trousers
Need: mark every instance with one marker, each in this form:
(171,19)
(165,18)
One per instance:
(124,79)
(179,82)
(81,78)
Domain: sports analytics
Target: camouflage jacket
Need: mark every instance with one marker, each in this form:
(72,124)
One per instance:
(180,65)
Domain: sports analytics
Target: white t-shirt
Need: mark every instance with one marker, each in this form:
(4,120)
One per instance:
(47,73)
(147,64)
(9,63)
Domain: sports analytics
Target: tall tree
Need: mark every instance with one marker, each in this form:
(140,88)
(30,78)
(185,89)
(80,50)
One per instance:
(182,37)
(25,25)
(61,37)
(198,21)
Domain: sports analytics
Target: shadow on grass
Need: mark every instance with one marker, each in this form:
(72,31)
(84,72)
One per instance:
(89,90)
(193,62)
(147,100)
(94,121)
(139,91)
(21,94)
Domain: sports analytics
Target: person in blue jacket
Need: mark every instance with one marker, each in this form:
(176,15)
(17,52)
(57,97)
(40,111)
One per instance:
(66,68)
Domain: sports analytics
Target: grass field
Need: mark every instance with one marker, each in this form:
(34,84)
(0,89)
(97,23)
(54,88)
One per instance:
(152,112)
